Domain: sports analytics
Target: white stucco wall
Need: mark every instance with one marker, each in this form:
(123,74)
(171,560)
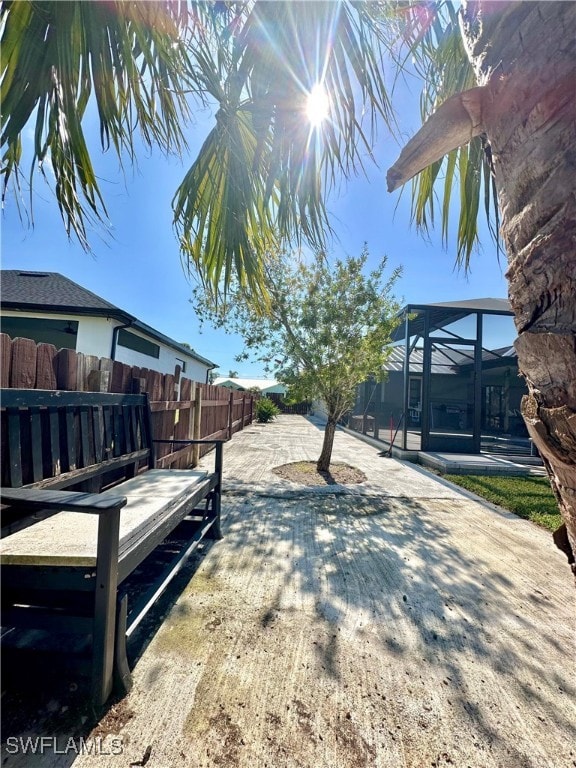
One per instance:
(94,335)
(166,363)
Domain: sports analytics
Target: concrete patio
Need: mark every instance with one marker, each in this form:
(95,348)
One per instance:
(400,622)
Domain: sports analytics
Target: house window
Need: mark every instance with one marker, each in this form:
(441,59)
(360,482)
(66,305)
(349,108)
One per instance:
(182,364)
(61,333)
(138,343)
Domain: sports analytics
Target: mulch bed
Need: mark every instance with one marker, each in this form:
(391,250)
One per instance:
(305,473)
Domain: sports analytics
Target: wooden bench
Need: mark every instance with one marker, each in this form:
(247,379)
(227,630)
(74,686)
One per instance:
(83,506)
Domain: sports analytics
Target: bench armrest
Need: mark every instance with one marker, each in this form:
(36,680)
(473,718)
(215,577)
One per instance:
(70,501)
(192,442)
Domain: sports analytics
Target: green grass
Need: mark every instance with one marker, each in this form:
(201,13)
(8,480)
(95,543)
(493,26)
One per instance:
(528,497)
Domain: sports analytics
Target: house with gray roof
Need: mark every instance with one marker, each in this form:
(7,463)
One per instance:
(48,307)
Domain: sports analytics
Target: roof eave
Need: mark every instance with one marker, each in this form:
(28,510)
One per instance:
(116,314)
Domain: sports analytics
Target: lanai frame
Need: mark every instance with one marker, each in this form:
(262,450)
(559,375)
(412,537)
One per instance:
(419,322)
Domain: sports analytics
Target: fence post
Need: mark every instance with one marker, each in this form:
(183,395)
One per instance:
(191,420)
(230,413)
(243,408)
(197,416)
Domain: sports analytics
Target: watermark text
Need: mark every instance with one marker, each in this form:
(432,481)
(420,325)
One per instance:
(58,745)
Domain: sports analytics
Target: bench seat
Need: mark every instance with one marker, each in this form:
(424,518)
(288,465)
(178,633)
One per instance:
(155,498)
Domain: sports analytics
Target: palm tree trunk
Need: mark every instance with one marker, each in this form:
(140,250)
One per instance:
(323,464)
(526,54)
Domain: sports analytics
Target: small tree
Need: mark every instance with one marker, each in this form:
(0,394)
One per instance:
(324,331)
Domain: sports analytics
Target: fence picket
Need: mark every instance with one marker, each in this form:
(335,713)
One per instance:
(66,369)
(46,367)
(5,359)
(106,366)
(23,371)
(91,363)
(81,374)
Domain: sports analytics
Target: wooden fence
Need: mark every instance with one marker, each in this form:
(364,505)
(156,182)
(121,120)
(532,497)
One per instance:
(181,408)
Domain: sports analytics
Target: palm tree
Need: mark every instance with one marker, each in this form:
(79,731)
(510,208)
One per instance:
(523,111)
(58,58)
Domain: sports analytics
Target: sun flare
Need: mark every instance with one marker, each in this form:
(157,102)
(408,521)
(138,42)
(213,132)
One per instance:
(317,105)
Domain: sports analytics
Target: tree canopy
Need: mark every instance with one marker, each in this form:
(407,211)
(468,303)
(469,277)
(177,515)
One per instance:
(325,331)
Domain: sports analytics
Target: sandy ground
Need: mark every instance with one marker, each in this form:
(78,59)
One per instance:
(397,623)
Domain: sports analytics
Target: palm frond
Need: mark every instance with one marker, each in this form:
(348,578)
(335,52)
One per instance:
(57,56)
(276,53)
(222,196)
(434,45)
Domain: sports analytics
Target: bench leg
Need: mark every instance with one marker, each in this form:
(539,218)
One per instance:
(215,531)
(122,674)
(105,607)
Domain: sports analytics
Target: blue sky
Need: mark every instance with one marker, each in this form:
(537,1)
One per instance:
(137,265)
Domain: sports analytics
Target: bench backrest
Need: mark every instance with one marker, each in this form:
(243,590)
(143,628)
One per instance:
(80,440)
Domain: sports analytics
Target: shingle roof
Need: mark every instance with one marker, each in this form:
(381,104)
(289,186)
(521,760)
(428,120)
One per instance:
(33,290)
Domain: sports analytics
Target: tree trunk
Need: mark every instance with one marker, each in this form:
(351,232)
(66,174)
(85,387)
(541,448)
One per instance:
(323,464)
(526,54)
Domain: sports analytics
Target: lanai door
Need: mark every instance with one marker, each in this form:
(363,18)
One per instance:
(451,402)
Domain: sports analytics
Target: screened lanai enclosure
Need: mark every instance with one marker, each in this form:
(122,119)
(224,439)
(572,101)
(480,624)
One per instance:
(452,383)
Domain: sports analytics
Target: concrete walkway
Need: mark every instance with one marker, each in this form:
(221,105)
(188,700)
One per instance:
(397,623)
